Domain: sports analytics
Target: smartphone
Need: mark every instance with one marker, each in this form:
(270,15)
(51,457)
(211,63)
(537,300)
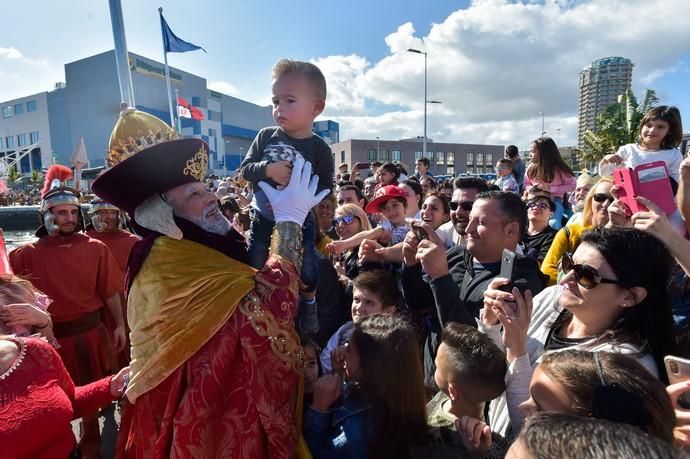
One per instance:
(508,272)
(649,180)
(419,232)
(678,370)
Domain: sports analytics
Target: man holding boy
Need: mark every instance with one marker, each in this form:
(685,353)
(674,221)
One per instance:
(299,96)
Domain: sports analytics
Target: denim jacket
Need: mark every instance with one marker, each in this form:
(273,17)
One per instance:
(341,433)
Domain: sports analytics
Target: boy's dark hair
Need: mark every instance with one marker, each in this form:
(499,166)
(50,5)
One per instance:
(506,162)
(548,435)
(379,283)
(546,199)
(511,151)
(359,183)
(465,183)
(476,363)
(376,164)
(671,115)
(308,70)
(423,160)
(511,207)
(354,188)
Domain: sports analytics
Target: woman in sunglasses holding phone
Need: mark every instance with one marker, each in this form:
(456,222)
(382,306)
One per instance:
(613,297)
(594,215)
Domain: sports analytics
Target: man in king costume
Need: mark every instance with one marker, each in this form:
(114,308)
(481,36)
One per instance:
(82,278)
(215,358)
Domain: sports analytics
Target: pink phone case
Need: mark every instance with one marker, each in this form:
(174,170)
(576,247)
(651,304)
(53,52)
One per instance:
(647,180)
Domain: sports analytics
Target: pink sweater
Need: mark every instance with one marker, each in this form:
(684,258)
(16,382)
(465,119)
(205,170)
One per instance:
(561,184)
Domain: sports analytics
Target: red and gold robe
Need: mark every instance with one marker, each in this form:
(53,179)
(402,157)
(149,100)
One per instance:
(79,274)
(215,358)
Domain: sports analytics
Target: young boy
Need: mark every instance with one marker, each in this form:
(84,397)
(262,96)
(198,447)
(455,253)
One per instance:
(470,371)
(506,180)
(299,96)
(373,292)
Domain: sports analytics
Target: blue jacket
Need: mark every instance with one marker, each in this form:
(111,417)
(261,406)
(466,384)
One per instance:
(341,433)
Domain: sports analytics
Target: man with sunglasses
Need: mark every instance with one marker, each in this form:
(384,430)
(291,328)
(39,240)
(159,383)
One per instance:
(465,192)
(454,281)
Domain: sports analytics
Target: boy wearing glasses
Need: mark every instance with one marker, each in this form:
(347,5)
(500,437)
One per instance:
(540,235)
(505,180)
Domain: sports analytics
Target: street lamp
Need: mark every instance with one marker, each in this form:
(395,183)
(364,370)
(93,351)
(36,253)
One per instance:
(378,148)
(542,124)
(416,51)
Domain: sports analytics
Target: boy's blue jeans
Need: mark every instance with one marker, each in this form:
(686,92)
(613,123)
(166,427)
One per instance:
(260,232)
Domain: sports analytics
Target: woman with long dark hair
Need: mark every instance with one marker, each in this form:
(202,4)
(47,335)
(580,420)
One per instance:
(381,412)
(613,297)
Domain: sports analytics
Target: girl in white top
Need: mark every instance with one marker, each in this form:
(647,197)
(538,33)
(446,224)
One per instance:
(661,132)
(612,298)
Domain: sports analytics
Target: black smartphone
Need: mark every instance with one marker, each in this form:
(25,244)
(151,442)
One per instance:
(419,232)
(508,272)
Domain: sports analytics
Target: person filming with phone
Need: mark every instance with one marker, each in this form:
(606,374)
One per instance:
(455,280)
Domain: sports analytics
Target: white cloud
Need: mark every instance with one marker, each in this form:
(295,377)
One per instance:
(10,53)
(497,64)
(224,87)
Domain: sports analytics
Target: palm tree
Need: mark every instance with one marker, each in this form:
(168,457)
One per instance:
(13,177)
(617,125)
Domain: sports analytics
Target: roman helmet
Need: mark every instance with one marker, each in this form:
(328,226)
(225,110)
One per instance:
(55,193)
(98,205)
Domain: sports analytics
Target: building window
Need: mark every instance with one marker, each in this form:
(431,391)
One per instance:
(395,155)
(417,155)
(9,141)
(2,145)
(30,105)
(430,156)
(450,170)
(384,156)
(21,140)
(489,161)
(342,156)
(371,155)
(480,160)
(450,158)
(7,112)
(440,158)
(211,132)
(33,137)
(18,109)
(470,160)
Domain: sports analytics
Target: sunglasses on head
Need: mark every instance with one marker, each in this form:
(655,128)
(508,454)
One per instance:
(464,205)
(347,219)
(602,197)
(538,205)
(585,275)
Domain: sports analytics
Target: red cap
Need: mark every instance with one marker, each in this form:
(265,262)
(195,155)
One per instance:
(382,195)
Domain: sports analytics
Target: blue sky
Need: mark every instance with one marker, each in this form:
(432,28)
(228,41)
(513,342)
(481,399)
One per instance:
(495,64)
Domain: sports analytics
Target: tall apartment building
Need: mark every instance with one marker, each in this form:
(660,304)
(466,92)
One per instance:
(601,83)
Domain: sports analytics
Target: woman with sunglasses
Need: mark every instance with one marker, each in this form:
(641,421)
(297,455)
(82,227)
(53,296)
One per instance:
(594,215)
(613,297)
(540,235)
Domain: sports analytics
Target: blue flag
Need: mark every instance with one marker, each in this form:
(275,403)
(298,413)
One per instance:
(172,43)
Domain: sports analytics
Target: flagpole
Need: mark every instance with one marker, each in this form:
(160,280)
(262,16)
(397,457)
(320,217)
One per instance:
(121,55)
(167,73)
(179,120)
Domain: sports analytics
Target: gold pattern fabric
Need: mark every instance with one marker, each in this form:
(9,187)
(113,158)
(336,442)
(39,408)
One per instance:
(196,167)
(183,294)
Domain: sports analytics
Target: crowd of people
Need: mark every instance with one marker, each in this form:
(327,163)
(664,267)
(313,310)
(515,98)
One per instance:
(302,310)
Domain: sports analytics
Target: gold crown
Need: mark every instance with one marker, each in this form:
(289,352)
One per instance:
(135,131)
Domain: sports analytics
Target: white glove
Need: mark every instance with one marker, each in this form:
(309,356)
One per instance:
(293,203)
